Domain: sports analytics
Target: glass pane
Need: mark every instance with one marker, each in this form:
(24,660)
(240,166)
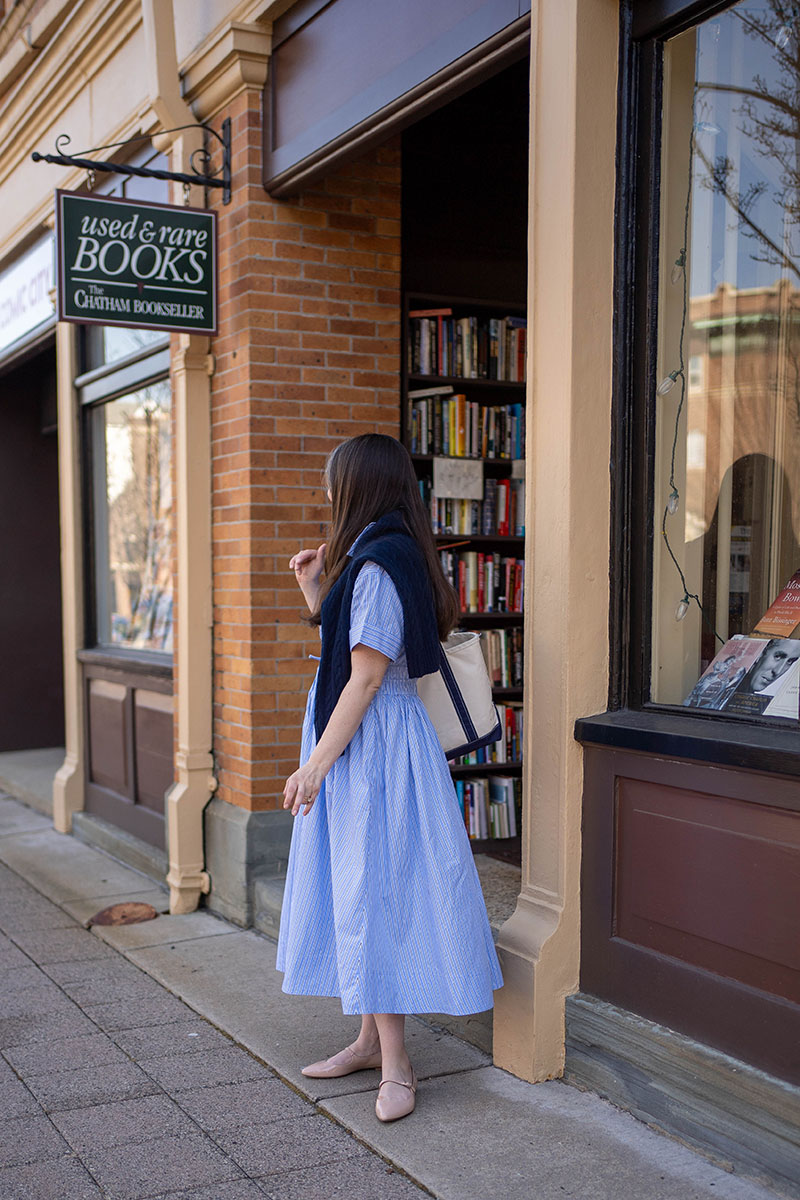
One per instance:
(108,343)
(133,519)
(726,488)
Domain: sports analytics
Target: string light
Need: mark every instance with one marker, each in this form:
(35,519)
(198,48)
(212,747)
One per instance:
(707,127)
(669,381)
(679,266)
(782,40)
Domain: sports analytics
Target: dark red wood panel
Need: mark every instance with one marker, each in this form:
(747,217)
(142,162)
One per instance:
(108,751)
(689,901)
(153,730)
(129,714)
(710,880)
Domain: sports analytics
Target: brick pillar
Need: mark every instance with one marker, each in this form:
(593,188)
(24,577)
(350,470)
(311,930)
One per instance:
(308,354)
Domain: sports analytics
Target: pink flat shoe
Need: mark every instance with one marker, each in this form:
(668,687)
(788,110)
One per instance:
(354,1062)
(387,1109)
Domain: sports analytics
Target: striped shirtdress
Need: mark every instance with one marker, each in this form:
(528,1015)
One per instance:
(383,906)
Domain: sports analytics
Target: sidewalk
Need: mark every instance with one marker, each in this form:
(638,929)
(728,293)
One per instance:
(187,1083)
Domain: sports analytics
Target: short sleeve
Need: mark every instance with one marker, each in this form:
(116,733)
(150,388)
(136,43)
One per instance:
(376,613)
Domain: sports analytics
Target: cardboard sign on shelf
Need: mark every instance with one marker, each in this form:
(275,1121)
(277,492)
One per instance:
(458,479)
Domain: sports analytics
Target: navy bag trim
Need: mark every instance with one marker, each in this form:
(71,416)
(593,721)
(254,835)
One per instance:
(474,741)
(478,744)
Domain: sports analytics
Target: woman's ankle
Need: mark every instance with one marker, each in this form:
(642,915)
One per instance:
(366,1045)
(397,1068)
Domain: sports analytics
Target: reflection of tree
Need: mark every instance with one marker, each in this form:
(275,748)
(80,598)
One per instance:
(139,516)
(770,112)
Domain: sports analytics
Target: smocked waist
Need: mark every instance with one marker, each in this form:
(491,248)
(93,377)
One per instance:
(392,685)
(398,687)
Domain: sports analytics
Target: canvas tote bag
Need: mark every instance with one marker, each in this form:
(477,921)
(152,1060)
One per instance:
(458,697)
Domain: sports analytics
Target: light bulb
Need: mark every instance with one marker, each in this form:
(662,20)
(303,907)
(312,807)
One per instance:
(672,503)
(678,267)
(682,609)
(782,40)
(707,127)
(667,383)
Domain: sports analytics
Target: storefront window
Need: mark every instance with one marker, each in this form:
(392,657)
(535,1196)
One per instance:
(726,515)
(130,442)
(110,343)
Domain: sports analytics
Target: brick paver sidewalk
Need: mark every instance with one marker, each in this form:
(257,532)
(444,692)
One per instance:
(110,1086)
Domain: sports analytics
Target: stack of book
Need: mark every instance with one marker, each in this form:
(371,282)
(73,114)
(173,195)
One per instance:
(471,347)
(446,423)
(500,513)
(490,806)
(485,582)
(508,748)
(502,649)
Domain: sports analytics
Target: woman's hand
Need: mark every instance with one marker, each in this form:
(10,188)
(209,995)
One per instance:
(302,788)
(308,565)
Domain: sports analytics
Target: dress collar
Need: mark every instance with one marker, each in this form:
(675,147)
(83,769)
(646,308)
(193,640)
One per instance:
(351,551)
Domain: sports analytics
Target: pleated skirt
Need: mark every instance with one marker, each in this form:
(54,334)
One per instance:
(383,906)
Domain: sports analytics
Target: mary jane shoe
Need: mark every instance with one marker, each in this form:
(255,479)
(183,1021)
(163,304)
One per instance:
(392,1109)
(325,1069)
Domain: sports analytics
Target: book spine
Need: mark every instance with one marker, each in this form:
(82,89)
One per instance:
(472,580)
(502,507)
(461,425)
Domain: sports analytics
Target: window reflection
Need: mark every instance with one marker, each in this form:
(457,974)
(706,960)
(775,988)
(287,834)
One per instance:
(133,519)
(728,432)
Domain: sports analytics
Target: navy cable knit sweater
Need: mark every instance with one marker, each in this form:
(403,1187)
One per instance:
(389,544)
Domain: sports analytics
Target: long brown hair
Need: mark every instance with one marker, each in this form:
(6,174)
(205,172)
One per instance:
(368,476)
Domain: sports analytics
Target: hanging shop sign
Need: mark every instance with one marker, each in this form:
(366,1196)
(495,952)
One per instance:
(135,263)
(25,287)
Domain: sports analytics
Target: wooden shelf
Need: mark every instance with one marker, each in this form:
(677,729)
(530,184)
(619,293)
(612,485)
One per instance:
(502,618)
(506,849)
(509,768)
(453,540)
(418,381)
(486,392)
(487,462)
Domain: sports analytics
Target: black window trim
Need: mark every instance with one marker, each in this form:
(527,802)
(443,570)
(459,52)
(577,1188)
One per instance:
(632,721)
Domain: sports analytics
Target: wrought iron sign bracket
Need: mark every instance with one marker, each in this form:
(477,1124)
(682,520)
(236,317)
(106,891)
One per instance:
(201,176)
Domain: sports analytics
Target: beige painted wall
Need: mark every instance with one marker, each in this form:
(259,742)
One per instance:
(90,81)
(73,87)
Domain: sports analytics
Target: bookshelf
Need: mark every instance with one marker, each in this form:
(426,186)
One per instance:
(463,399)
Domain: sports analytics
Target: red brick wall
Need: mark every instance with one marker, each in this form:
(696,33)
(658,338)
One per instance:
(307,355)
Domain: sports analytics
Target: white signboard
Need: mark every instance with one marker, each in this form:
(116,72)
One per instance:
(25,293)
(458,478)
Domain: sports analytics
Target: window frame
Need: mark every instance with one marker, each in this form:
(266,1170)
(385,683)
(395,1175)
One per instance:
(94,389)
(632,719)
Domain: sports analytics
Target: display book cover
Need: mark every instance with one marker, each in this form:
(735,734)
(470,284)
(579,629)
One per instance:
(758,675)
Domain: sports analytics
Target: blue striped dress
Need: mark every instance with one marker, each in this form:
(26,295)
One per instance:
(383,906)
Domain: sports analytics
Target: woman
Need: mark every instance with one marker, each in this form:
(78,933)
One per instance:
(383,905)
